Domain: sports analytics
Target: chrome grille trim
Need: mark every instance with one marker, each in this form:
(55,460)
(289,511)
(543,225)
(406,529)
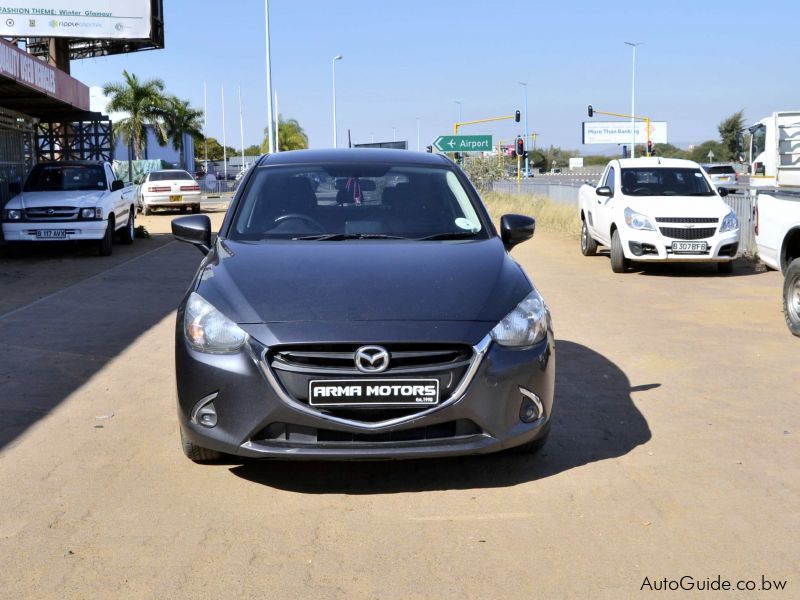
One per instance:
(687,220)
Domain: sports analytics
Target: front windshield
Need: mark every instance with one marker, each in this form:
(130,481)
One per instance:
(57,178)
(355,201)
(664,181)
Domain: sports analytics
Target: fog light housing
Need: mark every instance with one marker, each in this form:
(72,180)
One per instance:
(531,408)
(204,412)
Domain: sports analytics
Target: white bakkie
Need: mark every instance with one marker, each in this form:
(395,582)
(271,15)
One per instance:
(71,200)
(658,209)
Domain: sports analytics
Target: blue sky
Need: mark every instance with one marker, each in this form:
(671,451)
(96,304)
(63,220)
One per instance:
(412,59)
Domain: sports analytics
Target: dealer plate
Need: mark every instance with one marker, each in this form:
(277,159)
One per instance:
(175,198)
(51,234)
(373,392)
(689,247)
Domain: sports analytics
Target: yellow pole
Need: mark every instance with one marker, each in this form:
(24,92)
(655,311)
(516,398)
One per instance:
(519,159)
(647,129)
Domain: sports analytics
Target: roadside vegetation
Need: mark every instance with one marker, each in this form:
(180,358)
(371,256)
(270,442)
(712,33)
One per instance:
(549,215)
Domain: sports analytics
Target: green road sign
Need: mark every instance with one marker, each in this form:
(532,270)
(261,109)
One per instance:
(463,143)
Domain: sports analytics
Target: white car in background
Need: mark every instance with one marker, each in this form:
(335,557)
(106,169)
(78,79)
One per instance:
(658,210)
(722,174)
(168,188)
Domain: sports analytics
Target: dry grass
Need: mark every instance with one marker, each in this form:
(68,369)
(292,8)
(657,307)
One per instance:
(549,215)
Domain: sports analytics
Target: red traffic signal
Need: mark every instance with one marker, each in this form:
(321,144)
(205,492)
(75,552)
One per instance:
(520,146)
(649,147)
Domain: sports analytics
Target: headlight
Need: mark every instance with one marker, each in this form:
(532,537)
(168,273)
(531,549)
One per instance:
(635,220)
(729,223)
(525,325)
(12,214)
(208,330)
(91,213)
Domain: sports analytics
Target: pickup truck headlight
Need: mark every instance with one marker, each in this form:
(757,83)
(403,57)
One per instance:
(91,213)
(729,223)
(636,220)
(12,214)
(208,330)
(525,325)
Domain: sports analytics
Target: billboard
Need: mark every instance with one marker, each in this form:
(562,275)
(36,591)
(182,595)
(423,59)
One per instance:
(619,132)
(93,19)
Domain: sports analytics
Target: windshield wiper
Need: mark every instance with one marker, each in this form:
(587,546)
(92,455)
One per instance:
(448,235)
(335,237)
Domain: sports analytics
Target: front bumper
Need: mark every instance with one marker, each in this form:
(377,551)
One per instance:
(75,230)
(481,416)
(652,246)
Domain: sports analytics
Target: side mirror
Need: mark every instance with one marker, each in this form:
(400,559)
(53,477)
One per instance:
(14,188)
(194,229)
(603,191)
(117,185)
(722,192)
(515,229)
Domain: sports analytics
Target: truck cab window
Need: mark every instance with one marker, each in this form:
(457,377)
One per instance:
(759,142)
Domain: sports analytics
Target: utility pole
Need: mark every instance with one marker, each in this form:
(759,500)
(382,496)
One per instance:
(224,138)
(633,97)
(205,127)
(335,58)
(241,125)
(270,142)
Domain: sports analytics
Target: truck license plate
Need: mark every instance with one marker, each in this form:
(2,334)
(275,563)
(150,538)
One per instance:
(51,234)
(689,247)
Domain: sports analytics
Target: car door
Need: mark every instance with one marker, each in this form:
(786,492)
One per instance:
(118,202)
(604,206)
(591,206)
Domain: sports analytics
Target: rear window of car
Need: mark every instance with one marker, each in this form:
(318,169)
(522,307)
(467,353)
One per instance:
(355,200)
(720,170)
(169,175)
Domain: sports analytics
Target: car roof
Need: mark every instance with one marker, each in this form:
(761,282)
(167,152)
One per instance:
(657,161)
(70,163)
(169,171)
(362,155)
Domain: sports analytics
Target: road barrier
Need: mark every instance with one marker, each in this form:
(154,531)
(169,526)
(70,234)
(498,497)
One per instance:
(220,186)
(742,205)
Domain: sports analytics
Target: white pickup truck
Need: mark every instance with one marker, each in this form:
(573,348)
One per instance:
(775,181)
(71,200)
(658,210)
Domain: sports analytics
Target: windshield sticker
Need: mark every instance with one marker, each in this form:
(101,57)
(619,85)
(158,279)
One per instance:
(464,223)
(698,174)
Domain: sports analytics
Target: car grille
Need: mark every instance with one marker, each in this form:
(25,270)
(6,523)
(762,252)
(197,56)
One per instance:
(51,213)
(686,220)
(680,233)
(296,434)
(295,366)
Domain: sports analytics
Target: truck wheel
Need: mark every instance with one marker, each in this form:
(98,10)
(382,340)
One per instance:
(106,245)
(619,263)
(725,267)
(197,453)
(588,243)
(128,232)
(791,297)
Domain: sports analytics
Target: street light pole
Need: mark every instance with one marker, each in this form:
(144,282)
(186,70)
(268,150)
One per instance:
(394,134)
(270,140)
(417,134)
(459,110)
(335,58)
(633,97)
(525,137)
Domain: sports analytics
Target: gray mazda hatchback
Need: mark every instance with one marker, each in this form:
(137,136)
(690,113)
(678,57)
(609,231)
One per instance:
(360,304)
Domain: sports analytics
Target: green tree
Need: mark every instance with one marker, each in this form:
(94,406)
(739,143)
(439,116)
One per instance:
(483,172)
(668,151)
(728,132)
(215,151)
(254,150)
(180,118)
(290,136)
(700,152)
(143,101)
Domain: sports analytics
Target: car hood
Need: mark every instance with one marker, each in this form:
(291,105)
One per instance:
(77,198)
(282,281)
(676,206)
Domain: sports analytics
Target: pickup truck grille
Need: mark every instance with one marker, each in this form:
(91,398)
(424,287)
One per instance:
(51,213)
(686,220)
(680,233)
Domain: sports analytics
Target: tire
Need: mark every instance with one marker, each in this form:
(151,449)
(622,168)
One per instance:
(129,231)
(106,245)
(183,208)
(619,264)
(588,243)
(197,453)
(725,268)
(791,297)
(146,210)
(533,446)
(195,208)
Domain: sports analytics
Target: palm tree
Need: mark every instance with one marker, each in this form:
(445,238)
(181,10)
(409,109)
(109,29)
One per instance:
(143,101)
(179,119)
(290,136)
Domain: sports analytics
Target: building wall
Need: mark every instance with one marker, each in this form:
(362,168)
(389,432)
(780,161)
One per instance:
(154,151)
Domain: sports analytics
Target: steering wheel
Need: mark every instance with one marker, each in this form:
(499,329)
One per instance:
(298,217)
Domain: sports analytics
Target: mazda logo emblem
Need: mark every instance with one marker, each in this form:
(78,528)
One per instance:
(372,359)
(50,211)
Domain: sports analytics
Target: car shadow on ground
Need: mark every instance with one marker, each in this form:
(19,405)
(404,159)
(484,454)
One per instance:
(741,267)
(595,419)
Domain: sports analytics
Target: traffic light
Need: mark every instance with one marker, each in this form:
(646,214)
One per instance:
(591,111)
(520,147)
(516,116)
(649,147)
(429,149)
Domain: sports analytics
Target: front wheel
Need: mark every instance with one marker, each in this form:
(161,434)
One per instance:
(588,243)
(128,232)
(197,453)
(791,297)
(725,268)
(619,263)
(106,245)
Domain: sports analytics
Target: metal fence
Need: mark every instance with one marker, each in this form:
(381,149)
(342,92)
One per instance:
(220,186)
(742,205)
